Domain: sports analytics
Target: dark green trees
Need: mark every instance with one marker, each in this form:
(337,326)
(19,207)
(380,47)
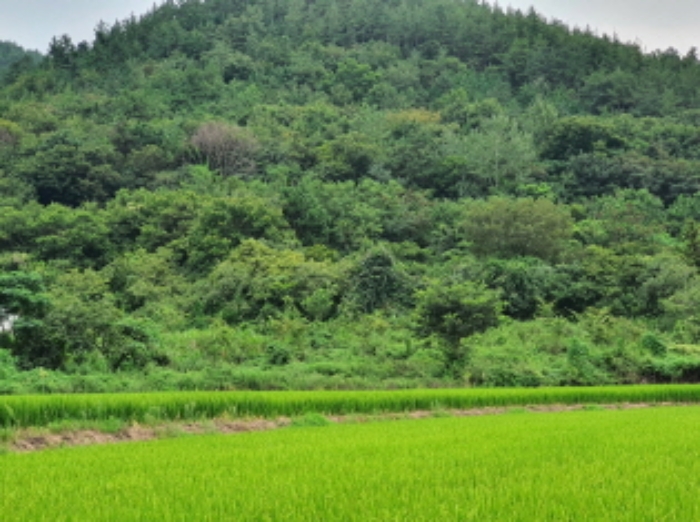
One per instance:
(71,167)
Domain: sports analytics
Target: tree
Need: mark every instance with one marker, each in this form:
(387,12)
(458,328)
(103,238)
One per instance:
(498,156)
(223,223)
(62,53)
(416,145)
(377,281)
(348,157)
(526,285)
(71,167)
(508,227)
(82,319)
(339,215)
(10,135)
(611,91)
(23,307)
(152,219)
(576,135)
(628,221)
(691,237)
(145,282)
(227,148)
(357,78)
(259,282)
(454,311)
(681,312)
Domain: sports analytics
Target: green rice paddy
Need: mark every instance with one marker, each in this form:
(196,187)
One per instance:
(25,411)
(625,465)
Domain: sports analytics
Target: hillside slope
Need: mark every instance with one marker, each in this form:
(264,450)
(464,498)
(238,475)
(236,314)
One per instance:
(348,193)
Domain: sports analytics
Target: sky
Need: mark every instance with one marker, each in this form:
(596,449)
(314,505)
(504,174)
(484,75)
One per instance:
(653,24)
(32,23)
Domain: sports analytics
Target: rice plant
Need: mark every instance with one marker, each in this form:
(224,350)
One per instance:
(632,465)
(26,411)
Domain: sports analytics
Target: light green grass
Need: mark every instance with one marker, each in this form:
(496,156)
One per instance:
(26,411)
(634,465)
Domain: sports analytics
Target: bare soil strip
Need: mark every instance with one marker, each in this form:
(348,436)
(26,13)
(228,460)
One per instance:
(32,440)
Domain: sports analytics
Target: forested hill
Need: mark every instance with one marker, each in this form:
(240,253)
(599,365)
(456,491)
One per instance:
(347,193)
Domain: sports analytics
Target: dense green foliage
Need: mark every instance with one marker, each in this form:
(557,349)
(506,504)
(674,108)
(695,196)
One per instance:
(588,465)
(340,194)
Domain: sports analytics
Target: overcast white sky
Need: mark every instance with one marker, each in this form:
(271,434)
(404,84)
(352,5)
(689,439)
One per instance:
(655,24)
(32,23)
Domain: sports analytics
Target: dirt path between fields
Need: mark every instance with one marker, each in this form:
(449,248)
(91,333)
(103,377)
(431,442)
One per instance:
(35,439)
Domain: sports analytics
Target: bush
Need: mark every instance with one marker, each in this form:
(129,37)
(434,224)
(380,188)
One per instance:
(8,365)
(556,352)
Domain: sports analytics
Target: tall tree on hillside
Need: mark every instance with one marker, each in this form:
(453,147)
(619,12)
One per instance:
(227,148)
